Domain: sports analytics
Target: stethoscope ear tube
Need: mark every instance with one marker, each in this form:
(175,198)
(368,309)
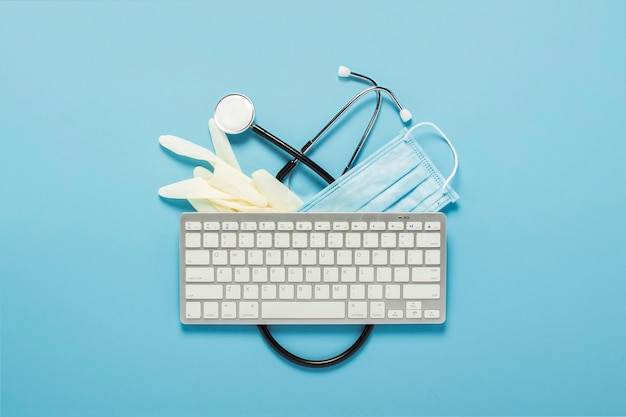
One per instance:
(293,152)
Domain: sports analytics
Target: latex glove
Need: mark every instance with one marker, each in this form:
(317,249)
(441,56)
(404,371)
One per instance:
(227,188)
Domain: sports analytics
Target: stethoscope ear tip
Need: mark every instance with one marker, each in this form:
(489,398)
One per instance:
(405,115)
(343,71)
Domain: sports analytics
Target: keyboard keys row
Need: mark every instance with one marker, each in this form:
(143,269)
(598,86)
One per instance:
(306,257)
(313,274)
(309,292)
(299,310)
(318,225)
(312,240)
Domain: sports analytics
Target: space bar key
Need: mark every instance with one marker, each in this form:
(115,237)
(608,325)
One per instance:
(303,310)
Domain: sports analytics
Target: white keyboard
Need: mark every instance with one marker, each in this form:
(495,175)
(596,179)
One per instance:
(312,268)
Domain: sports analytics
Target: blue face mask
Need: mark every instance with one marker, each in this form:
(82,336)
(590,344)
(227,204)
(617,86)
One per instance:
(398,177)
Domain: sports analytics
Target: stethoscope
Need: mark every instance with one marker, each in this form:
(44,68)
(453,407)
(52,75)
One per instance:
(234,114)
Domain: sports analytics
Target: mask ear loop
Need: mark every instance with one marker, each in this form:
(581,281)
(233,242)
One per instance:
(448,141)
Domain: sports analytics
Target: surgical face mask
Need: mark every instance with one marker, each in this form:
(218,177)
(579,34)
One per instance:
(398,177)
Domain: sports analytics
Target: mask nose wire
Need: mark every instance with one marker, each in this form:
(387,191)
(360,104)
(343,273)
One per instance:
(448,141)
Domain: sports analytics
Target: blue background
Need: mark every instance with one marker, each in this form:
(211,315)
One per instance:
(532,93)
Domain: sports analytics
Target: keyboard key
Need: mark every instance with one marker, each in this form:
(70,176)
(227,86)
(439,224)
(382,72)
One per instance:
(300,310)
(290,257)
(401,274)
(353,240)
(193,310)
(304,292)
(340,292)
(199,274)
(425,274)
(395,226)
(341,226)
(259,274)
(308,257)
(211,225)
(242,274)
(428,240)
(237,257)
(431,314)
(377,310)
(395,314)
(197,257)
(414,314)
(313,274)
(331,274)
(414,226)
(229,310)
(304,226)
(277,274)
(366,274)
(414,257)
(193,226)
(432,226)
(358,225)
(421,291)
(204,292)
(357,310)
(268,292)
(357,292)
(322,225)
(273,257)
(344,257)
(295,275)
(255,257)
(375,291)
(286,292)
(249,310)
(267,226)
(248,226)
(250,292)
(397,257)
(211,310)
(361,257)
(387,240)
(379,257)
(211,240)
(392,291)
(378,226)
(281,240)
(317,240)
(432,257)
(224,275)
(370,240)
(335,240)
(285,225)
(322,292)
(406,240)
(230,226)
(193,240)
(300,240)
(233,292)
(246,240)
(219,257)
(348,274)
(326,257)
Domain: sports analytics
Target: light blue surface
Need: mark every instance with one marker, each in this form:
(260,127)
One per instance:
(533,94)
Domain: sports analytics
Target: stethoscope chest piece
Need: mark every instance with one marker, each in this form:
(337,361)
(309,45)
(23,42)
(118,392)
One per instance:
(234,113)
